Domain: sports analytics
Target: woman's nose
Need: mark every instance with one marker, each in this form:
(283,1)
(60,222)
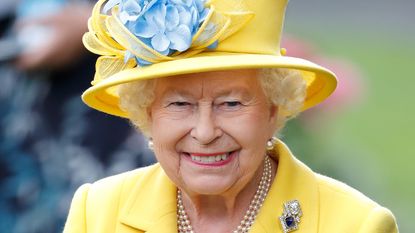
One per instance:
(205,129)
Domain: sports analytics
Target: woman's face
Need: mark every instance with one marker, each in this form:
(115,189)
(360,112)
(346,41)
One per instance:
(210,129)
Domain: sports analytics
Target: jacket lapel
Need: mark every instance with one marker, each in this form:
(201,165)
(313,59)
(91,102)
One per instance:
(293,181)
(151,206)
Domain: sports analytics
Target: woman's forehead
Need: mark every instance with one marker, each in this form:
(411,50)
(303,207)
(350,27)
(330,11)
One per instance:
(218,82)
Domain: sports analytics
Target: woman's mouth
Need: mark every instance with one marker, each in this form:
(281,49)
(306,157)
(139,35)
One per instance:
(216,159)
(210,159)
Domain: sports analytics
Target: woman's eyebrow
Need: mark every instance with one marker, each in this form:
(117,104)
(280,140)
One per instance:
(168,93)
(218,93)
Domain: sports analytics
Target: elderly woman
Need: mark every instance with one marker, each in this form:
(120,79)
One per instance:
(208,85)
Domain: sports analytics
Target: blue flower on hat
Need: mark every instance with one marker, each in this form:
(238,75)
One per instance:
(166,26)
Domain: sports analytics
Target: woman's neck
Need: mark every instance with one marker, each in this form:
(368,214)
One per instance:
(222,213)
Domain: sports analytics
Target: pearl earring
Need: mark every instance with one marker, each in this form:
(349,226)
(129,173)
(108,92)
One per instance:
(271,142)
(150,144)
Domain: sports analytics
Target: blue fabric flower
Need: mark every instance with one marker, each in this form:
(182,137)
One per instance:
(166,26)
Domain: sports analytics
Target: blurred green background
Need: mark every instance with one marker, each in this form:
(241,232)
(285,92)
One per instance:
(369,144)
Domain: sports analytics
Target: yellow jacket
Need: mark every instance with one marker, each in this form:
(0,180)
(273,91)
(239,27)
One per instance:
(144,200)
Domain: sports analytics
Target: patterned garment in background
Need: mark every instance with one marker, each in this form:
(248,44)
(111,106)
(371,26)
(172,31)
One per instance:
(51,142)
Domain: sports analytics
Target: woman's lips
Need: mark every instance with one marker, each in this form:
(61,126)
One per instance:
(214,160)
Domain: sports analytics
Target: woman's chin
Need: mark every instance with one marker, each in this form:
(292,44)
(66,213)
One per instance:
(212,178)
(209,186)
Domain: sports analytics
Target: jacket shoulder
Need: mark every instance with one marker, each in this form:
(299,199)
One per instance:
(121,183)
(101,202)
(340,202)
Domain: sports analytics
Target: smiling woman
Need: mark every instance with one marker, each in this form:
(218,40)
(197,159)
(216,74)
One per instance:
(210,114)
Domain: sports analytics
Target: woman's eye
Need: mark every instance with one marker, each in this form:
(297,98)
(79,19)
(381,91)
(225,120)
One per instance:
(179,104)
(232,103)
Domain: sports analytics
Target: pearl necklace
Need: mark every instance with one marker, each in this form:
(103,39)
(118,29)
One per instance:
(183,222)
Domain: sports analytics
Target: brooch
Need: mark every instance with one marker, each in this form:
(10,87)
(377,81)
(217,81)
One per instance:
(290,217)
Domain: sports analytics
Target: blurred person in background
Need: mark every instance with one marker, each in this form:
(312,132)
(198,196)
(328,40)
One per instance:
(46,147)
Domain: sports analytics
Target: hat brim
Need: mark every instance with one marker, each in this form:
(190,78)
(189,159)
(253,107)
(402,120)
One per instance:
(103,96)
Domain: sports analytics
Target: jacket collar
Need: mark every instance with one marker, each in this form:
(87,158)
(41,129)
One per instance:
(151,206)
(293,181)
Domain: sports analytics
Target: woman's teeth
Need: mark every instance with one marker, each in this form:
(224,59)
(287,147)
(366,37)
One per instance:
(209,159)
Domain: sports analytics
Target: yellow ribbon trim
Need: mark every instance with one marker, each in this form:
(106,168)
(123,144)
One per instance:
(107,66)
(99,28)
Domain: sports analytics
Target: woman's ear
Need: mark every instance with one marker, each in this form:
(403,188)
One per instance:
(273,116)
(273,113)
(149,120)
(149,113)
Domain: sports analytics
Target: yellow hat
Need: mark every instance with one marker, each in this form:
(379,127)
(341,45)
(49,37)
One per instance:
(246,34)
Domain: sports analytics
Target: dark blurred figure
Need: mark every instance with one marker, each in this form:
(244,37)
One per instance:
(50,142)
